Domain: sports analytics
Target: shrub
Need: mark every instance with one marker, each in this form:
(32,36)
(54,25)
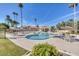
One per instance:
(45,50)
(45,29)
(11,30)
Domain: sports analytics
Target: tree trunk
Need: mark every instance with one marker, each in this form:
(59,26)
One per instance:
(21,18)
(5,33)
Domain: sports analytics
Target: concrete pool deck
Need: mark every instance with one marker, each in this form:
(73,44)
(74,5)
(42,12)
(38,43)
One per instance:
(63,45)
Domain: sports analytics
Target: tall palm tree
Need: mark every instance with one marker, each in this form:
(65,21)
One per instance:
(15,16)
(74,5)
(8,20)
(35,22)
(14,23)
(21,6)
(14,13)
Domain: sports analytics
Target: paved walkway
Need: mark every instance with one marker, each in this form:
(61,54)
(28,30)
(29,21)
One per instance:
(71,48)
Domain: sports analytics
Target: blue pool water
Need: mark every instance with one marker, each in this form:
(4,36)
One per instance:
(43,36)
(38,36)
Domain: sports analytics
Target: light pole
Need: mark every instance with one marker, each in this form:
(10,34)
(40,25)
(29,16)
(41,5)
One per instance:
(75,21)
(73,5)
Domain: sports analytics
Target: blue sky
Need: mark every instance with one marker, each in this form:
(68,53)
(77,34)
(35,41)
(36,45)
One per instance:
(46,13)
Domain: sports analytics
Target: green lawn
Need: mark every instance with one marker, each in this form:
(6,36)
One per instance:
(7,48)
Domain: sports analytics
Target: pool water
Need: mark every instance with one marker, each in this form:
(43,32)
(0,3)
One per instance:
(38,36)
(43,36)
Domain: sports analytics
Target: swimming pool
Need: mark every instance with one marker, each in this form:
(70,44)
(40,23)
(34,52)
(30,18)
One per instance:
(38,36)
(43,36)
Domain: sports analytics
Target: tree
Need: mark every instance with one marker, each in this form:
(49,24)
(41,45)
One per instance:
(53,28)
(8,20)
(73,5)
(15,18)
(3,27)
(14,23)
(62,24)
(14,15)
(70,23)
(45,50)
(36,22)
(59,25)
(21,6)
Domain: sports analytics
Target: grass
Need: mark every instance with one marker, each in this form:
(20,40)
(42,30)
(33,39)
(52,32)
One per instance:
(7,48)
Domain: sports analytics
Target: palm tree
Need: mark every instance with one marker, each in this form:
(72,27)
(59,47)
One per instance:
(35,22)
(62,24)
(16,18)
(21,6)
(8,20)
(14,23)
(14,15)
(73,5)
(70,23)
(58,26)
(53,28)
